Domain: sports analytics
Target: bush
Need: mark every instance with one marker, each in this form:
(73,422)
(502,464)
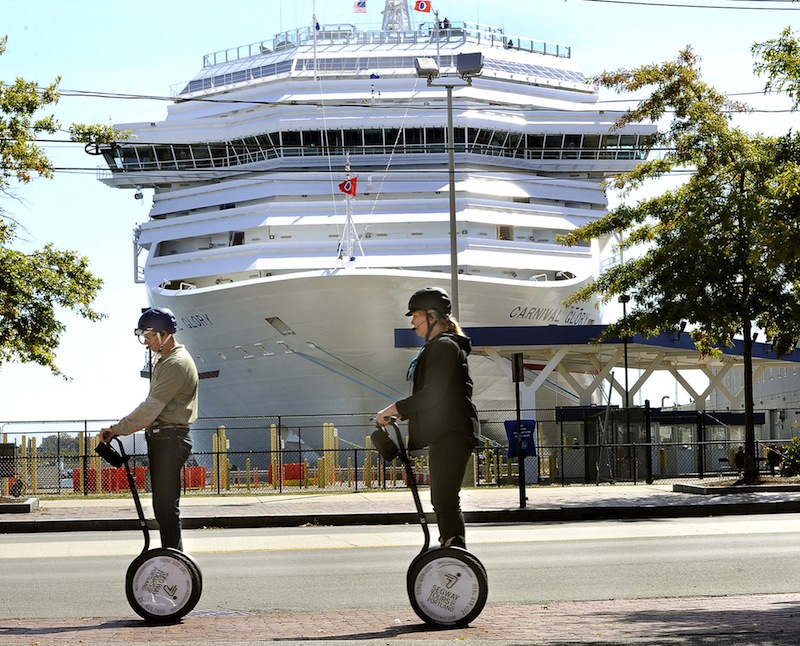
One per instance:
(791,457)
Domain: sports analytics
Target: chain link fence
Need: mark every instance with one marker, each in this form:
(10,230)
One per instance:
(261,455)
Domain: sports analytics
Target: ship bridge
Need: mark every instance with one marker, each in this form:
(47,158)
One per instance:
(570,350)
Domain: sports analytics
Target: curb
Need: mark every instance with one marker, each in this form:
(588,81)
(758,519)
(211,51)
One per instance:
(522,515)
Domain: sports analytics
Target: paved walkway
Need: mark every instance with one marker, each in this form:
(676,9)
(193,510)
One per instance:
(765,620)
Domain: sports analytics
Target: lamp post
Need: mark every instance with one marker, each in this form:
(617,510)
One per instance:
(467,66)
(624,299)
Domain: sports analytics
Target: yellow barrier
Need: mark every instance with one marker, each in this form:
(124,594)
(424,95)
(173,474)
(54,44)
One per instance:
(368,462)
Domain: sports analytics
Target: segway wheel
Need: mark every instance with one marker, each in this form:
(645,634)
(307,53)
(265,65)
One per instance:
(447,586)
(163,585)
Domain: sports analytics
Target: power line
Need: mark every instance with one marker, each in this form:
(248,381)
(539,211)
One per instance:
(670,5)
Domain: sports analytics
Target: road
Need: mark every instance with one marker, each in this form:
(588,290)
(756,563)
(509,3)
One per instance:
(323,569)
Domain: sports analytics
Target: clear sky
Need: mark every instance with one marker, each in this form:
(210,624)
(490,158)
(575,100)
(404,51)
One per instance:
(144,48)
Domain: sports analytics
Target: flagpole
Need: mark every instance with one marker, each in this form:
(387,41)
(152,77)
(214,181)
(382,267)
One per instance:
(436,31)
(314,30)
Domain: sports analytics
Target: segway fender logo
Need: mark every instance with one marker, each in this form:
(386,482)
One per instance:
(443,598)
(154,581)
(451,580)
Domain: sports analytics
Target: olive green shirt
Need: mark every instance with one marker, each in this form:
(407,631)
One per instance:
(172,400)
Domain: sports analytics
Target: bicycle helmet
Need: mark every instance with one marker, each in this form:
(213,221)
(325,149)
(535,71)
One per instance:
(158,319)
(430,298)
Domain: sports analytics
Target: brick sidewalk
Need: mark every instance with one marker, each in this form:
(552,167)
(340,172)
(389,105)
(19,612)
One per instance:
(758,619)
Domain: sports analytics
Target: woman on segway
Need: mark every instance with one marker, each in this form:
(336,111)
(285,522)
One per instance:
(440,411)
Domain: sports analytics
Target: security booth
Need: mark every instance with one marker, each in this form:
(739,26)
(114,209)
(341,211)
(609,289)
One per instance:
(587,448)
(692,442)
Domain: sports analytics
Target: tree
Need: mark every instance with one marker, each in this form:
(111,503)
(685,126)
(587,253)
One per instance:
(59,444)
(34,286)
(720,252)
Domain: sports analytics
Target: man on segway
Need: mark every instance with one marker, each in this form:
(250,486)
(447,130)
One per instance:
(166,414)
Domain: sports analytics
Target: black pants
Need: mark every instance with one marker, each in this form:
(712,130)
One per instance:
(167,451)
(449,456)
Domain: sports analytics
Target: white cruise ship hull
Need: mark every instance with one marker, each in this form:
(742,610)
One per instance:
(324,342)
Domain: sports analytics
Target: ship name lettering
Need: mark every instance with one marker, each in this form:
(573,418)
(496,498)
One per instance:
(549,314)
(576,316)
(196,320)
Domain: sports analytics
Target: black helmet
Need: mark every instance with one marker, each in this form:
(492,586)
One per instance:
(430,298)
(158,319)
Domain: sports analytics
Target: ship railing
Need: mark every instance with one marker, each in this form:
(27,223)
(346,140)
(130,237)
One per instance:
(348,34)
(238,160)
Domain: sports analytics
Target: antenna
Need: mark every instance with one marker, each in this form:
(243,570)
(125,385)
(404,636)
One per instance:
(396,16)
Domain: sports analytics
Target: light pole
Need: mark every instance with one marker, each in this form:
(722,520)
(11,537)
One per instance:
(624,299)
(467,66)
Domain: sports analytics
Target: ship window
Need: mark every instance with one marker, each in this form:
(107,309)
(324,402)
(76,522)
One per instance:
(414,139)
(353,139)
(290,138)
(572,143)
(164,156)
(591,145)
(312,139)
(236,238)
(479,138)
(434,137)
(499,138)
(534,144)
(334,140)
(373,137)
(514,144)
(552,144)
(394,137)
(505,232)
(201,155)
(219,156)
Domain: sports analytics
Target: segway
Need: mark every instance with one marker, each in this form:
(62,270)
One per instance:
(447,586)
(163,584)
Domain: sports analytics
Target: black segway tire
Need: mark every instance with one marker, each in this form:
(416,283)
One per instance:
(447,586)
(163,585)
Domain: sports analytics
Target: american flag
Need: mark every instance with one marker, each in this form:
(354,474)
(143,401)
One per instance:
(360,6)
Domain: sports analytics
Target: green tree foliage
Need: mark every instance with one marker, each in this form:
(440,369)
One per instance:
(36,286)
(58,444)
(791,457)
(721,251)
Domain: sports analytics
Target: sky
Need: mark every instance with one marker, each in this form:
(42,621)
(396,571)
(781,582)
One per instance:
(142,49)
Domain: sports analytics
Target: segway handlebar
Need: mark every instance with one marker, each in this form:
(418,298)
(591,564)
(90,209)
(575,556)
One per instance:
(120,459)
(389,451)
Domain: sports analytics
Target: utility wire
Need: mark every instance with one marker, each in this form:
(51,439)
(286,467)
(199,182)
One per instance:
(671,5)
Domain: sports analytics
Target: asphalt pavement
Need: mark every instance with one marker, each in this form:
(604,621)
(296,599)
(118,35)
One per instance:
(764,620)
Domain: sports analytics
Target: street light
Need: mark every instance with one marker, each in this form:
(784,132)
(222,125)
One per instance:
(624,299)
(467,66)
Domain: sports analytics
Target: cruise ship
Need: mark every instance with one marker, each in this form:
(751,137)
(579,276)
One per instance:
(304,187)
